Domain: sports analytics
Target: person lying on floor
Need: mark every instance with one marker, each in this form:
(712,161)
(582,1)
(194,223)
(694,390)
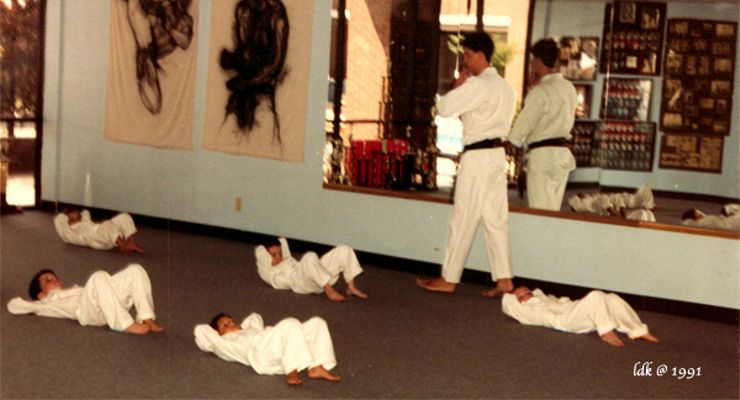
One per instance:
(76,227)
(728,219)
(104,300)
(633,206)
(287,348)
(597,311)
(278,268)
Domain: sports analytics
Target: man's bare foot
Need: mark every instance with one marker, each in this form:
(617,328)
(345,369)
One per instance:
(332,294)
(648,337)
(153,326)
(292,378)
(319,372)
(352,290)
(502,286)
(436,285)
(612,339)
(137,329)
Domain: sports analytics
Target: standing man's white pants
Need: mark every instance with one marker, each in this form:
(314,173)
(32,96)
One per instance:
(547,176)
(480,197)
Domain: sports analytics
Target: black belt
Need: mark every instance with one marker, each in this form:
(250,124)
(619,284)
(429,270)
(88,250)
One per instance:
(559,142)
(484,144)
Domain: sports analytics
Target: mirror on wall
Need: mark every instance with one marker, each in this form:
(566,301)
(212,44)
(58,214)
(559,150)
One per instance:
(655,83)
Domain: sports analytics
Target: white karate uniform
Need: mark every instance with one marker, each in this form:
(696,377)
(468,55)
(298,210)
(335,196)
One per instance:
(729,223)
(289,345)
(105,300)
(548,113)
(100,236)
(311,274)
(485,104)
(597,311)
(605,204)
(731,209)
(641,215)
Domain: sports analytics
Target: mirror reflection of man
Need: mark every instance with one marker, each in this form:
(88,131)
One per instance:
(544,125)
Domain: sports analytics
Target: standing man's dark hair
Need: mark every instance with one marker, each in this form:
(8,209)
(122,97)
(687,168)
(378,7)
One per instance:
(34,288)
(479,41)
(546,50)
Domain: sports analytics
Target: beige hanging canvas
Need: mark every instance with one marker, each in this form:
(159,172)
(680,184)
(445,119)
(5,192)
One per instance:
(257,85)
(151,73)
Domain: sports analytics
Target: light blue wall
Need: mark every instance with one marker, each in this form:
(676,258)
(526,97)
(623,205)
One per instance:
(288,199)
(586,18)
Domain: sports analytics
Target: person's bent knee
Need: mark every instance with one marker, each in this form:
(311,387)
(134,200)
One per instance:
(98,276)
(317,320)
(289,323)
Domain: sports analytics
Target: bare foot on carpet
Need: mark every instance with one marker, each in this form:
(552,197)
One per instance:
(502,286)
(153,326)
(332,294)
(137,329)
(612,339)
(292,378)
(648,337)
(352,290)
(436,285)
(319,372)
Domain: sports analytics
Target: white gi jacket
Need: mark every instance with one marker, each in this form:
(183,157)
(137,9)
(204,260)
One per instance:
(485,104)
(597,311)
(729,223)
(287,346)
(548,113)
(100,236)
(310,274)
(603,204)
(104,300)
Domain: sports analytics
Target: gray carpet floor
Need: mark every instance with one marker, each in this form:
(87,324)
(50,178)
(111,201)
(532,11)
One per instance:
(400,343)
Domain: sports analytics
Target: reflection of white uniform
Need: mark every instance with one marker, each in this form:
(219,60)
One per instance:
(289,345)
(548,113)
(485,104)
(607,204)
(597,311)
(730,222)
(105,300)
(100,236)
(311,274)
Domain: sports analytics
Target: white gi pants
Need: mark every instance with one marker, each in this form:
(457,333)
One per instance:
(106,299)
(480,197)
(603,312)
(122,225)
(294,345)
(314,273)
(547,176)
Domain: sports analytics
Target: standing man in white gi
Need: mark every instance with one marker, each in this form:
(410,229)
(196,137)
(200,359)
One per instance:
(484,101)
(286,348)
(311,274)
(544,124)
(76,227)
(104,300)
(597,311)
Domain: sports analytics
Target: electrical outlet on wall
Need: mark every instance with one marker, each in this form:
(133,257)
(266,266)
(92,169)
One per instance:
(238,203)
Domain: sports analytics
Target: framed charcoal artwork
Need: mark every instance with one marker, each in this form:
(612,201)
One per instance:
(633,38)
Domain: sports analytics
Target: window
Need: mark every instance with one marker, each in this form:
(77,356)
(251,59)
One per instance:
(21,111)
(398,58)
